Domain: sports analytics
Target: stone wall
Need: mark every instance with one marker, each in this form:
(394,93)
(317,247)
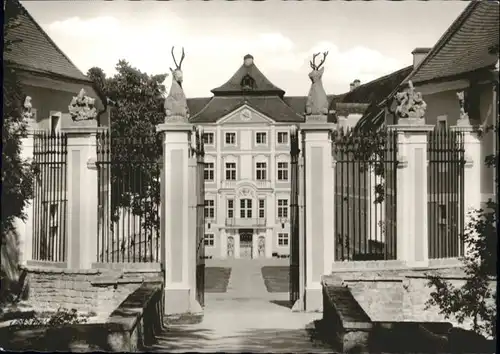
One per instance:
(397,293)
(94,290)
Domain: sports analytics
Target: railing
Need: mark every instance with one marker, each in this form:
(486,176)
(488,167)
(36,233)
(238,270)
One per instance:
(50,151)
(365,195)
(228,184)
(128,198)
(445,175)
(245,222)
(262,184)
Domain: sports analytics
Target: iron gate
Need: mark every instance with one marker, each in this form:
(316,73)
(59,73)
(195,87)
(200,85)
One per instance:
(129,170)
(50,153)
(294,219)
(200,216)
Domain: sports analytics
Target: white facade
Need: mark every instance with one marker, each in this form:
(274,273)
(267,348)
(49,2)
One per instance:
(247,186)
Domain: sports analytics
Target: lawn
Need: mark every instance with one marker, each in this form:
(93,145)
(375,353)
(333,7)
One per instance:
(276,278)
(216,279)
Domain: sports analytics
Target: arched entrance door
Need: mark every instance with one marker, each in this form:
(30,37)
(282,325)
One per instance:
(246,243)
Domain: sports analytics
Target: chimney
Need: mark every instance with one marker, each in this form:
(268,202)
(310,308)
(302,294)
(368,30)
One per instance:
(419,54)
(248,60)
(354,84)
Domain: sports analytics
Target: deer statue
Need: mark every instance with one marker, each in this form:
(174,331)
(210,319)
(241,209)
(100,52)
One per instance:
(317,103)
(176,104)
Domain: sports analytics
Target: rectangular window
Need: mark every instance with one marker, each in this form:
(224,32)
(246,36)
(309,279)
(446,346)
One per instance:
(282,138)
(230,171)
(261,138)
(209,240)
(262,208)
(283,208)
(209,209)
(442,212)
(282,171)
(54,122)
(53,215)
(261,170)
(230,138)
(208,138)
(282,239)
(442,123)
(209,171)
(245,208)
(230,208)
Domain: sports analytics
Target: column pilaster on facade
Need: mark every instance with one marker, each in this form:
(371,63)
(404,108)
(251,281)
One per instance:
(319,220)
(412,198)
(472,170)
(83,188)
(178,237)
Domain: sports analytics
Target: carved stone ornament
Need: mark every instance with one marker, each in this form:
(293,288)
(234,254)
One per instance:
(27,109)
(464,116)
(317,101)
(411,105)
(176,109)
(245,192)
(82,107)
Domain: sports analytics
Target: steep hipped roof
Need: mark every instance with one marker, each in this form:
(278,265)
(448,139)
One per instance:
(296,103)
(271,106)
(261,85)
(35,51)
(465,46)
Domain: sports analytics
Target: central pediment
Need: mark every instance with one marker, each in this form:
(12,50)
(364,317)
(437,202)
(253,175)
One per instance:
(245,115)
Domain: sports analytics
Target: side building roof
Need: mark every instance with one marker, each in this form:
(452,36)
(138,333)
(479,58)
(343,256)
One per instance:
(33,49)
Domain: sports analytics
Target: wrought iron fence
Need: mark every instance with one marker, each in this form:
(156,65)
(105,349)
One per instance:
(365,194)
(445,190)
(50,152)
(129,169)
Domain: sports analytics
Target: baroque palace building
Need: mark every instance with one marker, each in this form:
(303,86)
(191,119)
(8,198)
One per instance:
(247,154)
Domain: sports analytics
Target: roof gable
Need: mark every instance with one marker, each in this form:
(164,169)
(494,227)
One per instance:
(248,81)
(245,115)
(35,51)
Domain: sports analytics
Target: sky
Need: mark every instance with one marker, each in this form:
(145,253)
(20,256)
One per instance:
(365,40)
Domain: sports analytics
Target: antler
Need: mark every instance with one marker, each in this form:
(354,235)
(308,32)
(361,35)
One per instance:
(322,61)
(178,66)
(313,61)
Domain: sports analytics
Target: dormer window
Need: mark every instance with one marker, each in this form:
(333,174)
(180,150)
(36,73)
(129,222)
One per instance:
(247,83)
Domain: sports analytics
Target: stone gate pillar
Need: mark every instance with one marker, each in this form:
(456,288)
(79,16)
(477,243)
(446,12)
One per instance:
(473,164)
(82,182)
(25,228)
(412,198)
(178,228)
(319,211)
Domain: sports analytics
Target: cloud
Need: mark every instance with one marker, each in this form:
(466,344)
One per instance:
(211,59)
(90,29)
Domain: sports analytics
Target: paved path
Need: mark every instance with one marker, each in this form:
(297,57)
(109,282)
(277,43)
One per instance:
(245,319)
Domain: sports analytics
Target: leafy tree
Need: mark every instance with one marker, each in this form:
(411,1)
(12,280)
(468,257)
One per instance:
(135,148)
(16,171)
(475,300)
